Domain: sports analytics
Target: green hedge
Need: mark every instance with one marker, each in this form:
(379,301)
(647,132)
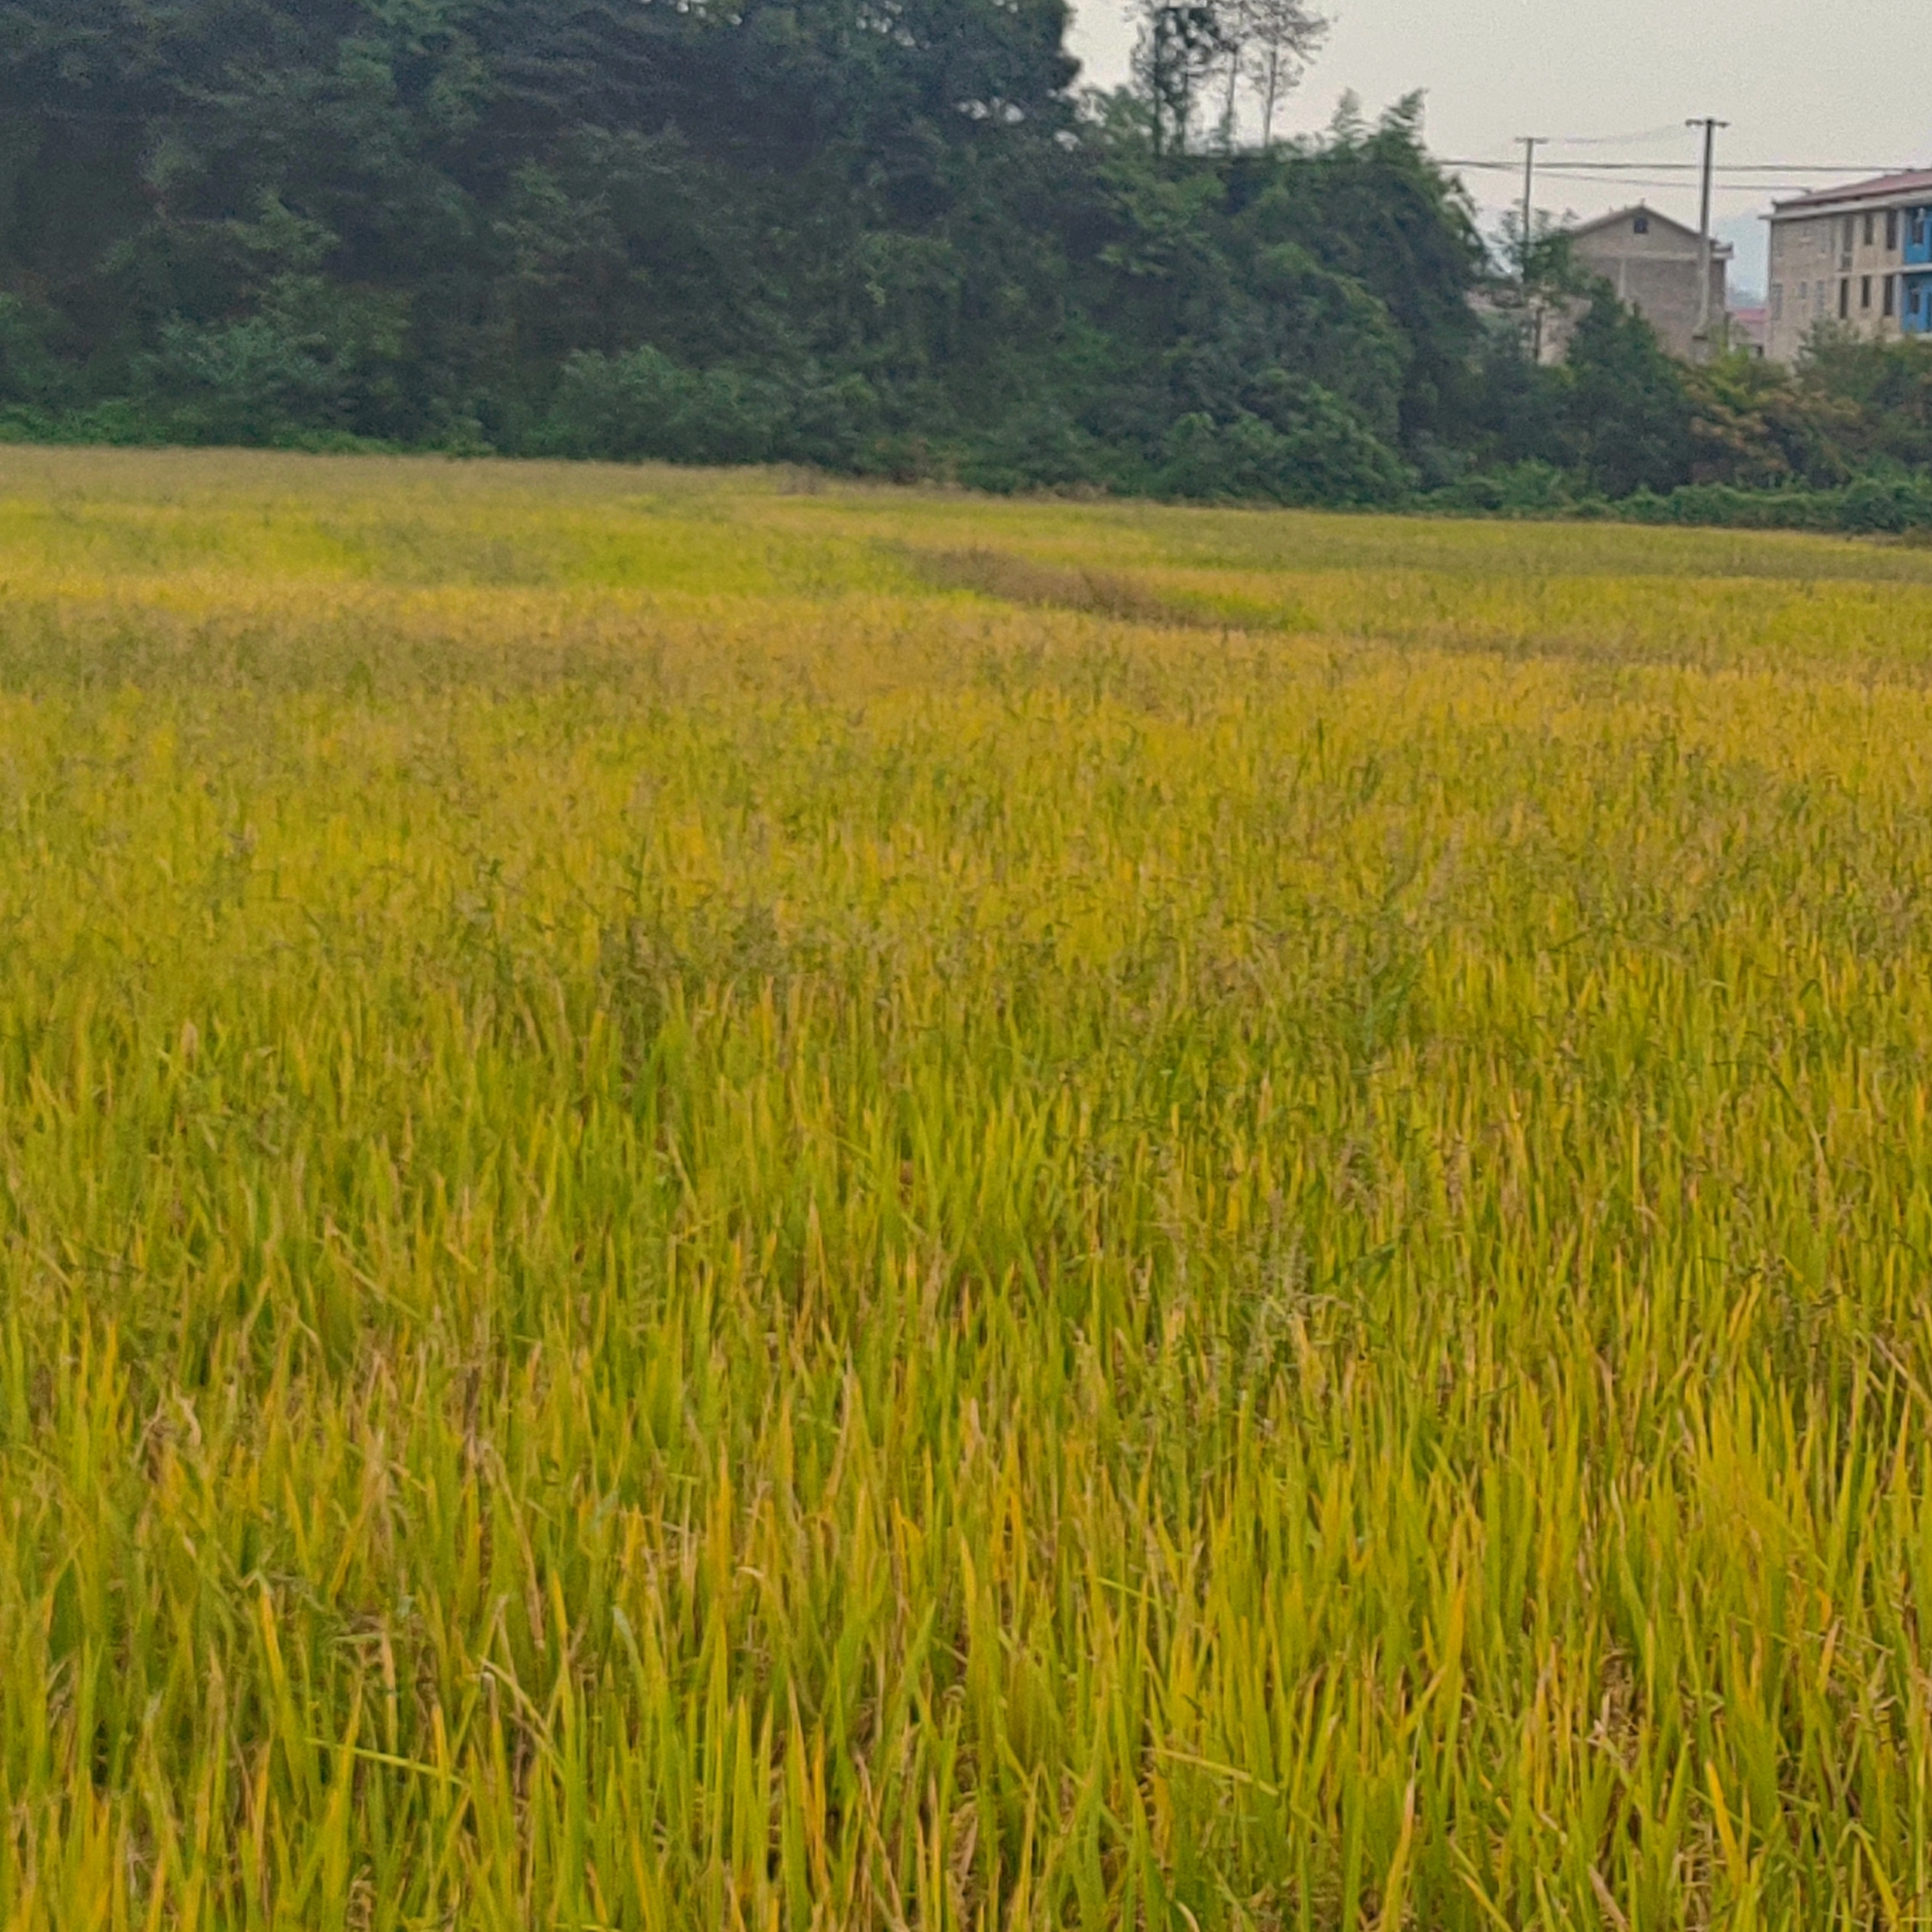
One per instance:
(1867,506)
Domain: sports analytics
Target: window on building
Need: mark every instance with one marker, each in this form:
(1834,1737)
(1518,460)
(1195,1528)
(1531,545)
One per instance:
(1642,224)
(1804,295)
(1865,293)
(1891,295)
(1891,231)
(1844,299)
(1871,229)
(1777,301)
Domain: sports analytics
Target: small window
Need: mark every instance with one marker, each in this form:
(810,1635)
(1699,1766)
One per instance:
(1844,299)
(1865,293)
(1871,229)
(1804,295)
(1891,231)
(1777,301)
(1891,295)
(1642,224)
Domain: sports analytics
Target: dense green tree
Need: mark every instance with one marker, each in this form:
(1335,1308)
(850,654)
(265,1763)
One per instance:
(872,234)
(1626,412)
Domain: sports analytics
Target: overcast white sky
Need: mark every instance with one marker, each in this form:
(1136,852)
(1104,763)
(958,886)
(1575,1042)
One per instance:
(1802,81)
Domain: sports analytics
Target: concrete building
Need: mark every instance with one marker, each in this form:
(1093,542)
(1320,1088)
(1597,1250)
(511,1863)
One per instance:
(1860,256)
(1653,263)
(1748,330)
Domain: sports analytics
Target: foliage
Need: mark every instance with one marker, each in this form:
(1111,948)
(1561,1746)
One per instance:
(1867,506)
(881,239)
(1849,406)
(643,404)
(816,231)
(1755,426)
(1626,411)
(1182,44)
(1298,444)
(1273,39)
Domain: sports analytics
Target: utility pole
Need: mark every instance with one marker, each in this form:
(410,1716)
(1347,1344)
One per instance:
(1529,143)
(1709,125)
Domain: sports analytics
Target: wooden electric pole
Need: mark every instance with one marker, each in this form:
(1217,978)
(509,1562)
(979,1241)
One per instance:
(1529,143)
(1532,316)
(1709,125)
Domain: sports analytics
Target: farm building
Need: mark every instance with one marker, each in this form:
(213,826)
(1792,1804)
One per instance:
(1654,264)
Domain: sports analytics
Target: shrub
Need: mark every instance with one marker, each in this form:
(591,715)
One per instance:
(1310,447)
(642,405)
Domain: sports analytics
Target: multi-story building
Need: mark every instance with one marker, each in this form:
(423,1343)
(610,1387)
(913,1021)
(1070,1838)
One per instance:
(1860,256)
(1656,264)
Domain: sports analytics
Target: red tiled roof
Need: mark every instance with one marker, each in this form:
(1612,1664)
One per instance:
(1879,189)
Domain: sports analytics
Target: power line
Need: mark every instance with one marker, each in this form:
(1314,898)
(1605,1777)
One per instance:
(1555,172)
(1668,132)
(1684,167)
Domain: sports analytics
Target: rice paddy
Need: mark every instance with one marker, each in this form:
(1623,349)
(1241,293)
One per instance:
(732,1204)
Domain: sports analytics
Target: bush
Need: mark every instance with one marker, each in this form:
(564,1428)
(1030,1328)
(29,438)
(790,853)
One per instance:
(830,420)
(316,362)
(31,376)
(245,383)
(1869,506)
(1531,488)
(1628,411)
(1036,452)
(642,405)
(1310,448)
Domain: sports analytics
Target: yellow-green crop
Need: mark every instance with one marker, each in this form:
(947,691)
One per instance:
(724,1205)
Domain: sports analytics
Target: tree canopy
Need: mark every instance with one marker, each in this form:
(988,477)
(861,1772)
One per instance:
(884,235)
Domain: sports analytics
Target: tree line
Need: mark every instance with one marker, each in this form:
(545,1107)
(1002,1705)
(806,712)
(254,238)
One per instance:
(882,236)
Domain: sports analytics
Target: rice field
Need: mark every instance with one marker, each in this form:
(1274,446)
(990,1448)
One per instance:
(727,1203)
